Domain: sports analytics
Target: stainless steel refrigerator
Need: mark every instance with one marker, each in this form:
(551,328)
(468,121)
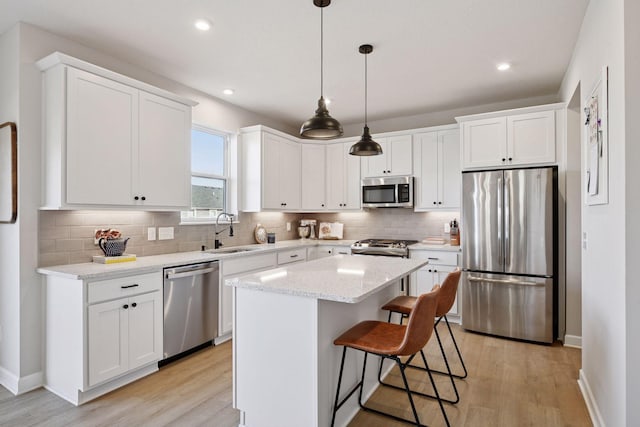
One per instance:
(509,256)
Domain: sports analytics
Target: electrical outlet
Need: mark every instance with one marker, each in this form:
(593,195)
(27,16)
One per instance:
(165,233)
(447,227)
(288,226)
(151,233)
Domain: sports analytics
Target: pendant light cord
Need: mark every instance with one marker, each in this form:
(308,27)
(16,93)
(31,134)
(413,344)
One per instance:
(365,90)
(321,52)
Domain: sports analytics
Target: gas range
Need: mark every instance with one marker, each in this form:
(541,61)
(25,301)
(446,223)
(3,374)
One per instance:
(386,247)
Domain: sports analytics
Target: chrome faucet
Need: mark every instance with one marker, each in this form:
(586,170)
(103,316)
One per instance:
(216,241)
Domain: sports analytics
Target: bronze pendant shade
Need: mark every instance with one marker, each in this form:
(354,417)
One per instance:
(366,146)
(321,125)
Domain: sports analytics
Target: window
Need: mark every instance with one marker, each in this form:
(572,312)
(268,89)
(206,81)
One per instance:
(209,175)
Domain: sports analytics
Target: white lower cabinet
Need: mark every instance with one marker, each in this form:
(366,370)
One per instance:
(231,268)
(441,263)
(101,334)
(124,334)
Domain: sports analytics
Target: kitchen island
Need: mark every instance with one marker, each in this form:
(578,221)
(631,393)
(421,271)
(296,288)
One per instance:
(285,365)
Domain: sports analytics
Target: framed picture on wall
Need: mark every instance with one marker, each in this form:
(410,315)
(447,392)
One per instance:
(8,172)
(596,136)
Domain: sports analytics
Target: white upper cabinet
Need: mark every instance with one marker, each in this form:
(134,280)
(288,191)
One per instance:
(343,178)
(111,141)
(314,172)
(510,138)
(164,149)
(102,127)
(271,173)
(395,159)
(437,169)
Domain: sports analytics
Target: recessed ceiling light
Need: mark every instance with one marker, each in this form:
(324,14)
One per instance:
(503,66)
(202,24)
(228,91)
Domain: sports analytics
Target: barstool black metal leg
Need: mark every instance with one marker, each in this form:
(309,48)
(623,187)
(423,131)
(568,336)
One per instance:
(433,384)
(407,389)
(335,405)
(446,364)
(455,344)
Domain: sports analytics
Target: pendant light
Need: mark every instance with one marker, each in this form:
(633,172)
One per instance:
(366,146)
(322,125)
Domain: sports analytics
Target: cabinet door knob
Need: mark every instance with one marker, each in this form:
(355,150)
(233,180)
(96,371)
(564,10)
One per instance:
(125,306)
(143,198)
(503,159)
(439,203)
(136,198)
(434,203)
(135,304)
(322,205)
(510,158)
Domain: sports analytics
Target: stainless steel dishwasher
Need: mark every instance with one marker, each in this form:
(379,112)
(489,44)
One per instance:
(190,307)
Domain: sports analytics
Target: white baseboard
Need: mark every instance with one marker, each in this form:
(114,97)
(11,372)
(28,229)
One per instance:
(592,407)
(9,381)
(17,385)
(30,382)
(573,341)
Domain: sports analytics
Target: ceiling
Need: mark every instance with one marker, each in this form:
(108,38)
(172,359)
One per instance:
(429,55)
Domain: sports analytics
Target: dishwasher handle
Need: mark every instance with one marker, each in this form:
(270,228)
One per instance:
(171,275)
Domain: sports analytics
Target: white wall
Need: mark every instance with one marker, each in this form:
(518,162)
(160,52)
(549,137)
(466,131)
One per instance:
(632,194)
(601,42)
(21,328)
(573,243)
(9,235)
(442,117)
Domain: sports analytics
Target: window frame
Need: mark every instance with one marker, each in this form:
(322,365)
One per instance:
(186,220)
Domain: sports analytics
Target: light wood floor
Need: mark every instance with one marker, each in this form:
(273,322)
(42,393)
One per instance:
(510,384)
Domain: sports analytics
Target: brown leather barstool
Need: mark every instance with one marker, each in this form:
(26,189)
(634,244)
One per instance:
(391,341)
(404,305)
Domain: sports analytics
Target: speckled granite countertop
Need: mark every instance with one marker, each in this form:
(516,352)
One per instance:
(155,263)
(341,278)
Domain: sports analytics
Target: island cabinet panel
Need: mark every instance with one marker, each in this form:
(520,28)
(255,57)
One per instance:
(101,334)
(525,136)
(111,141)
(285,321)
(294,341)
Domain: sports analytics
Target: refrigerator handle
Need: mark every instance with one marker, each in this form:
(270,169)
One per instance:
(500,194)
(507,221)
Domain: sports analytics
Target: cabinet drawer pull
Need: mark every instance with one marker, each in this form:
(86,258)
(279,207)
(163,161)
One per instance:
(433,258)
(129,286)
(293,256)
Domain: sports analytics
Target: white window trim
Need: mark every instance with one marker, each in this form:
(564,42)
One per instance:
(228,171)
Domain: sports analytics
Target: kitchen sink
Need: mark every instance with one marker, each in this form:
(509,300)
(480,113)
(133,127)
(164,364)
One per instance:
(228,250)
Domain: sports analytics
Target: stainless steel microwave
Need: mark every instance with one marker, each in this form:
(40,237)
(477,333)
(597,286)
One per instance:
(387,192)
